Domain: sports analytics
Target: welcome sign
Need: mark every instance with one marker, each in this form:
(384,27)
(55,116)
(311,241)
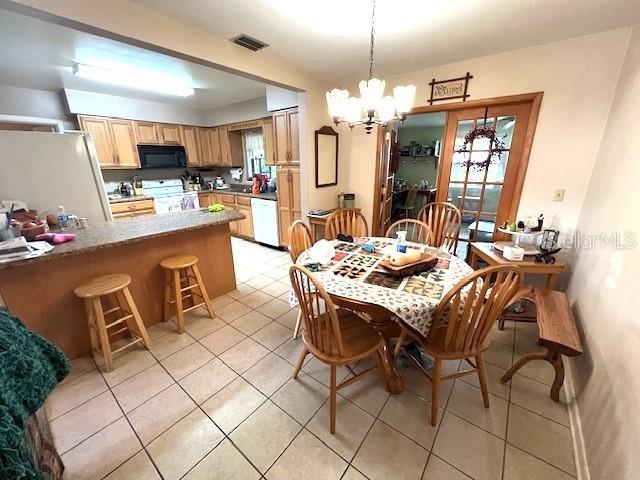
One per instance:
(449,89)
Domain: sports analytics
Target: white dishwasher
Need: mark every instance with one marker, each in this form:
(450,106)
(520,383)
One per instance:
(265,221)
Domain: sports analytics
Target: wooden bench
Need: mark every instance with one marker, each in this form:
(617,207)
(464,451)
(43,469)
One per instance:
(557,332)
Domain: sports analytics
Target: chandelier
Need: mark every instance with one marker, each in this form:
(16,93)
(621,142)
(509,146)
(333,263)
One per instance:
(372,107)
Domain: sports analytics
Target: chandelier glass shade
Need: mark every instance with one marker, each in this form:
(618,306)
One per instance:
(372,107)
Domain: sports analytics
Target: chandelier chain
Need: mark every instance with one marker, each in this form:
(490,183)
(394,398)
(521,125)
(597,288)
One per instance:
(373,30)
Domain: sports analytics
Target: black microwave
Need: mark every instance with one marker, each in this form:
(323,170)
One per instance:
(157,156)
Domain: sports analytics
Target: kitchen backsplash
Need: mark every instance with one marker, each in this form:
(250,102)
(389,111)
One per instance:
(114,177)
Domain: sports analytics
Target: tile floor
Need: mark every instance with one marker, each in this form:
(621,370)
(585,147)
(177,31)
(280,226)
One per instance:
(219,403)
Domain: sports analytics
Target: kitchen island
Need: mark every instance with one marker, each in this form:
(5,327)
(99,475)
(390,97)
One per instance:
(39,290)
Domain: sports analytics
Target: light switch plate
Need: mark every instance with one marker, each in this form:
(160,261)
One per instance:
(558,195)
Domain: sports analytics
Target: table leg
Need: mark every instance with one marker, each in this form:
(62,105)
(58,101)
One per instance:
(521,363)
(554,358)
(552,279)
(473,259)
(395,384)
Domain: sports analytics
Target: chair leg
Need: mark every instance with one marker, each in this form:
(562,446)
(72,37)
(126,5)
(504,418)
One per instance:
(177,288)
(203,291)
(303,355)
(501,322)
(401,339)
(103,335)
(435,390)
(142,331)
(298,322)
(333,400)
(482,376)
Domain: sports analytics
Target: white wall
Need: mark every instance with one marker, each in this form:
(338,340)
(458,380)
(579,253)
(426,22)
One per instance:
(578,77)
(603,289)
(91,103)
(35,103)
(237,112)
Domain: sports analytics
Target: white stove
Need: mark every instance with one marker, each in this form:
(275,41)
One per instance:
(169,196)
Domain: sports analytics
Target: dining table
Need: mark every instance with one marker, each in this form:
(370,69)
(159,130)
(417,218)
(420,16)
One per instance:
(355,280)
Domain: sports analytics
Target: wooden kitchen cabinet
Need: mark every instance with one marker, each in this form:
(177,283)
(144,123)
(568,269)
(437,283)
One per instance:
(214,138)
(146,132)
(114,140)
(204,140)
(245,227)
(169,134)
(124,143)
(133,209)
(99,130)
(191,144)
(225,147)
(267,137)
(207,199)
(286,137)
(289,200)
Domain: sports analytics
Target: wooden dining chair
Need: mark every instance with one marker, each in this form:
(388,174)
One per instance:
(444,220)
(410,203)
(334,336)
(347,221)
(299,241)
(417,231)
(461,325)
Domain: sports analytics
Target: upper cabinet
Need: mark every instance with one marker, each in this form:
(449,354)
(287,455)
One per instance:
(124,143)
(269,147)
(191,144)
(206,153)
(114,140)
(146,132)
(286,137)
(169,134)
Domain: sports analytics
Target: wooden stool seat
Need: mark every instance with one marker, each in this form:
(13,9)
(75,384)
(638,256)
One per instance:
(102,325)
(183,283)
(103,285)
(179,261)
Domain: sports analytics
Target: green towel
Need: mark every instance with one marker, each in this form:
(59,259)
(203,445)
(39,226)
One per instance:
(30,367)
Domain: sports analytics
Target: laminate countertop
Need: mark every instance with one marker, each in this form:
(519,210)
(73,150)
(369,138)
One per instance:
(127,230)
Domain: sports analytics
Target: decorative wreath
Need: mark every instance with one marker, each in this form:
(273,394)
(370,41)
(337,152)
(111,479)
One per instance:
(496,147)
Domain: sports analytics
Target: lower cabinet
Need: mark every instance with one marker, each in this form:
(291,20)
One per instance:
(134,208)
(243,228)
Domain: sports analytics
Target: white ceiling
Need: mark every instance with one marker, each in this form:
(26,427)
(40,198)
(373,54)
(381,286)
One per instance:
(330,38)
(37,54)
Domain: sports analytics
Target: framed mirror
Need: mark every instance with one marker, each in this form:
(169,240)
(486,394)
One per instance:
(326,157)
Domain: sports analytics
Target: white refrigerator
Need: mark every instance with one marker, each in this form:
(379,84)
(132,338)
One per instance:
(45,170)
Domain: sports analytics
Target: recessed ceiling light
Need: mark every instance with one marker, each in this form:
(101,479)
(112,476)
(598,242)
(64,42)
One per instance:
(140,79)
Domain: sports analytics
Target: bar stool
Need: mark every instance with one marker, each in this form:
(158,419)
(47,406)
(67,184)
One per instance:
(182,275)
(115,286)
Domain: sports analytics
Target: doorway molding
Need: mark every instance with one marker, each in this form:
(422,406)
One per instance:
(534,98)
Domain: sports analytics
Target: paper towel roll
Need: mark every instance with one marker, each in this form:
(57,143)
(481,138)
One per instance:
(400,259)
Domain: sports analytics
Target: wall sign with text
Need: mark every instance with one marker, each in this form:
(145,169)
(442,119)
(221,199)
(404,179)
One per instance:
(449,89)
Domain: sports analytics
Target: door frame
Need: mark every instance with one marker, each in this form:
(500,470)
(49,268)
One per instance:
(534,98)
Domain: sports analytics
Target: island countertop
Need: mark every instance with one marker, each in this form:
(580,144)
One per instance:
(130,230)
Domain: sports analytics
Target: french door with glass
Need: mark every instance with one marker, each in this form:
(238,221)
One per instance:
(486,195)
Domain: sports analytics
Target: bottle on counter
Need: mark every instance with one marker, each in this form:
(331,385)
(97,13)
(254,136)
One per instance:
(63,218)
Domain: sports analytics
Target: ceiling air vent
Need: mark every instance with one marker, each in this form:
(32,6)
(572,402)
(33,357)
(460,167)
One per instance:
(251,43)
